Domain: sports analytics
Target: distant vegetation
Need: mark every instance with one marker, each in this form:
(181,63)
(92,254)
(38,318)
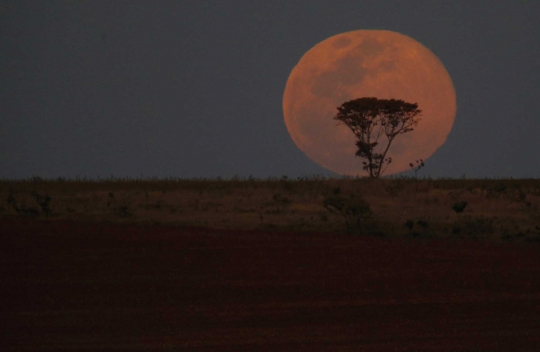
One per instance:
(491,209)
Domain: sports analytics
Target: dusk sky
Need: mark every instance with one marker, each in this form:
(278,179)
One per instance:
(195,88)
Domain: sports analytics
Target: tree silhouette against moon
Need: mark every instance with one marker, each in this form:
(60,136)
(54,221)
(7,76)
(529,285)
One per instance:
(367,63)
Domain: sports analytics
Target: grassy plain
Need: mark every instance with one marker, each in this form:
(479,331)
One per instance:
(491,209)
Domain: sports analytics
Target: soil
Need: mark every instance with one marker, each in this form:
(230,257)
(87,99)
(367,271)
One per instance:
(83,285)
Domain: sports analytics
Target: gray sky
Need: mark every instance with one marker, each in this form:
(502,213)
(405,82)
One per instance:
(194,88)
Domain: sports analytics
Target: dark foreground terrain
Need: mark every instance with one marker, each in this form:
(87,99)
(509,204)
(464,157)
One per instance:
(76,285)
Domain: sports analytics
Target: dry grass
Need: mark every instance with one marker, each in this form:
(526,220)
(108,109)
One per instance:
(496,209)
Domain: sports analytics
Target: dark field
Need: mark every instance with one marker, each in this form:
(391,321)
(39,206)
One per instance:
(82,285)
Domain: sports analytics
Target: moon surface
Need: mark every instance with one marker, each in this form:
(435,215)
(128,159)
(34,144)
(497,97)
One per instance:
(367,63)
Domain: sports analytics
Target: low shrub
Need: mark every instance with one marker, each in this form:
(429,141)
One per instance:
(354,209)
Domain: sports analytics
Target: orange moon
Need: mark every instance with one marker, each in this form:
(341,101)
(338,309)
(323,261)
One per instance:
(367,63)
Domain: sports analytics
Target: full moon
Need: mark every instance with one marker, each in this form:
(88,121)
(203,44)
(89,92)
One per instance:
(367,63)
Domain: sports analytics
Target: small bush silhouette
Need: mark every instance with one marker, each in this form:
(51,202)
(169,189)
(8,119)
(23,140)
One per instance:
(21,209)
(353,208)
(459,207)
(422,223)
(110,199)
(419,164)
(336,191)
(123,211)
(409,224)
(43,201)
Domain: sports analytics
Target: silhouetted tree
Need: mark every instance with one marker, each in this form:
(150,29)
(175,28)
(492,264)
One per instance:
(370,119)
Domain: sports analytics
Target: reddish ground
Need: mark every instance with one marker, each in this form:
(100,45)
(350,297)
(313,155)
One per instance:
(69,285)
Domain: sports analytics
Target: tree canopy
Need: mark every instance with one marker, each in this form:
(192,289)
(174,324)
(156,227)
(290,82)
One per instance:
(376,123)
